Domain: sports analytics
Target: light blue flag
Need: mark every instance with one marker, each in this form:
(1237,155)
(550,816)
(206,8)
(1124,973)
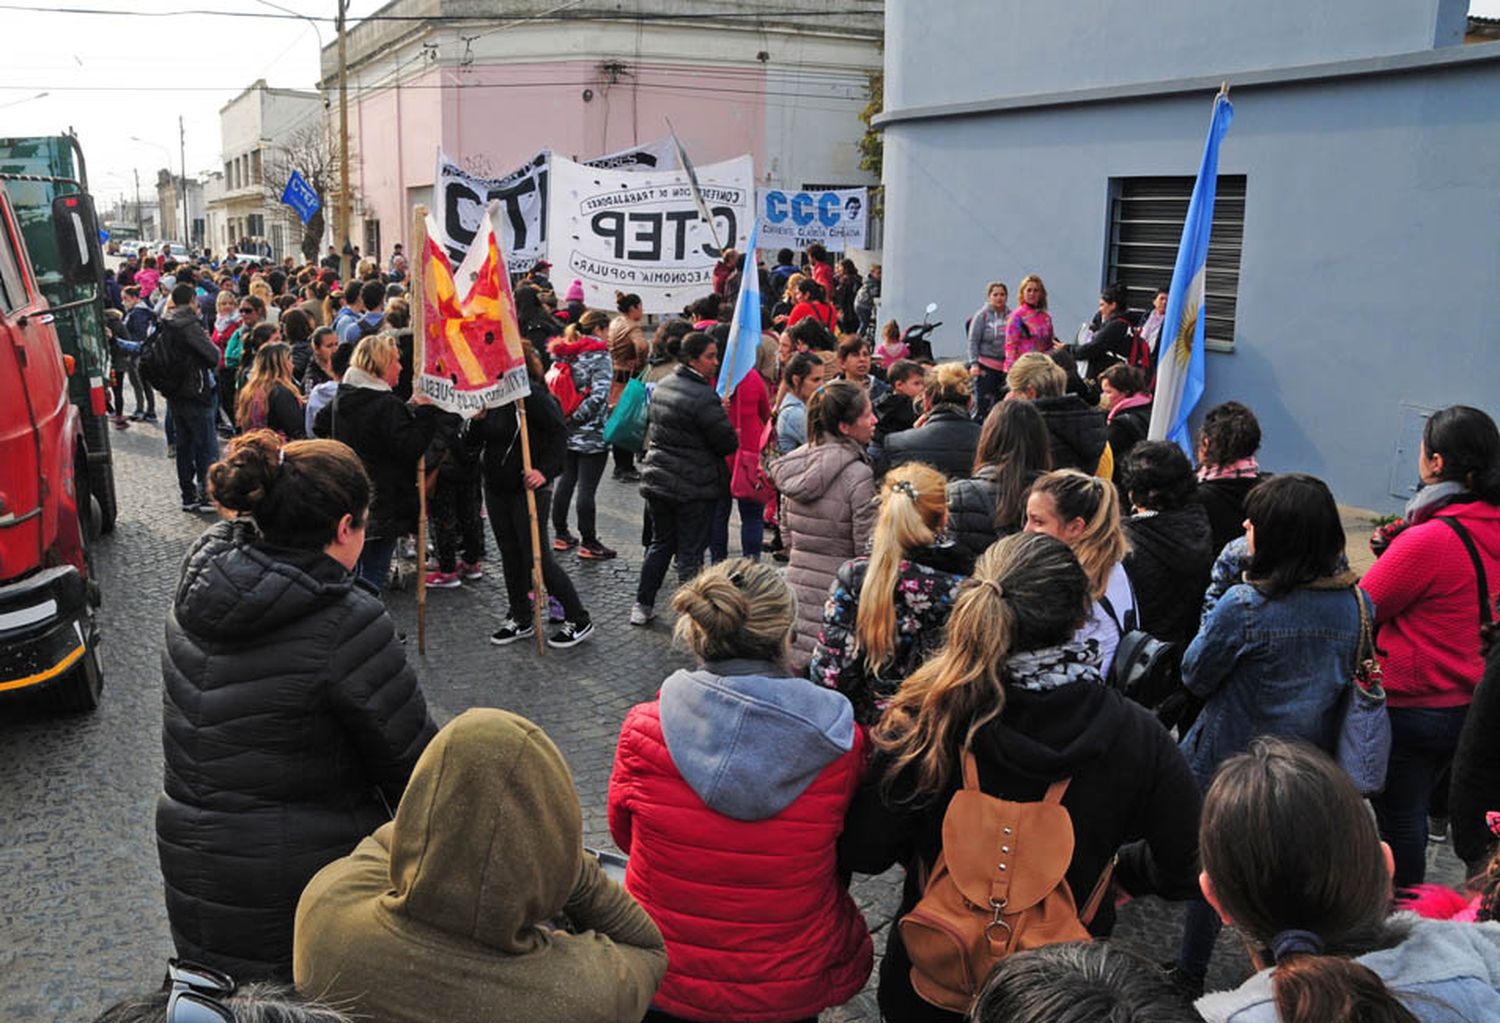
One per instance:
(1179,375)
(299,195)
(744,329)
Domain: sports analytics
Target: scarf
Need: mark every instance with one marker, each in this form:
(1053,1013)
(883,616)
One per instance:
(1427,501)
(1245,468)
(356,377)
(1129,402)
(1054,666)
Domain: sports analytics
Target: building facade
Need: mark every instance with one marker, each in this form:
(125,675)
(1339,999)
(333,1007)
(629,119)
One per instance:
(734,77)
(255,128)
(169,189)
(1355,249)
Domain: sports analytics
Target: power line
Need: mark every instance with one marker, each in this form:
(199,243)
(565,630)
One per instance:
(638,16)
(371,90)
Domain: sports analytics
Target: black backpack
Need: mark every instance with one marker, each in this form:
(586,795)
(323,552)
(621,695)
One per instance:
(1145,669)
(161,363)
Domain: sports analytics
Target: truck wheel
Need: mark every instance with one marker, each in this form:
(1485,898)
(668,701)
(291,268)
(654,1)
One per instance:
(101,473)
(78,691)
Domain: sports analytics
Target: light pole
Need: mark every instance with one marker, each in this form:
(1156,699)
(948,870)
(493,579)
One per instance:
(182,182)
(346,268)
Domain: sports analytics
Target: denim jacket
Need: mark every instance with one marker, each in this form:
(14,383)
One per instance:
(1269,667)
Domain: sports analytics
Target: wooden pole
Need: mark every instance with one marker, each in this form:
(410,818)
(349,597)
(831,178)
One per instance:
(538,587)
(418,268)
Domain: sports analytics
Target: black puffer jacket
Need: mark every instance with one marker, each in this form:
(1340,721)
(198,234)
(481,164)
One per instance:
(499,431)
(1078,432)
(1171,555)
(1127,429)
(1225,501)
(690,437)
(946,441)
(188,343)
(291,722)
(971,516)
(389,437)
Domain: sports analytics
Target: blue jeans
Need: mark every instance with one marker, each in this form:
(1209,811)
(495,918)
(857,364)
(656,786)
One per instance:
(1422,743)
(752,528)
(197,446)
(374,564)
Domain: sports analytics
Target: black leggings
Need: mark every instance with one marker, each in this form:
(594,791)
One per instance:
(513,535)
(583,471)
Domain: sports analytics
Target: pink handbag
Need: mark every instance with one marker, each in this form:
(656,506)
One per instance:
(748,481)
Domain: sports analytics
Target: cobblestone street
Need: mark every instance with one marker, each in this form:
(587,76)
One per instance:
(82,922)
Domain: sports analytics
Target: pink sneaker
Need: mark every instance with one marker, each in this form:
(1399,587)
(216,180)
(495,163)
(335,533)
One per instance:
(443,581)
(471,572)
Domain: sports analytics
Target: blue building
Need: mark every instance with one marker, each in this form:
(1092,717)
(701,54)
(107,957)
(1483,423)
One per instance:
(1355,271)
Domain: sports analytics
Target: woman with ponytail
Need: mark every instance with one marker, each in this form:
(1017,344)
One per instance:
(1312,904)
(1431,587)
(1084,512)
(1007,687)
(885,614)
(751,768)
(292,719)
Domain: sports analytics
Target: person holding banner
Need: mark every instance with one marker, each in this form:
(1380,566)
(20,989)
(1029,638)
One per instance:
(584,352)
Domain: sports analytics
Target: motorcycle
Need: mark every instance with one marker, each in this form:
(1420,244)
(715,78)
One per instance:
(917,336)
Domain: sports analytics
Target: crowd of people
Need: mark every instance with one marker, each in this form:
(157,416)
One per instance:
(946,674)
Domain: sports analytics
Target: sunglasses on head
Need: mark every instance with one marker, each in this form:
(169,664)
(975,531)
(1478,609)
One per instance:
(196,993)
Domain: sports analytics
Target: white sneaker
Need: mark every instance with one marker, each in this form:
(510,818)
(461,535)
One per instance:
(641,614)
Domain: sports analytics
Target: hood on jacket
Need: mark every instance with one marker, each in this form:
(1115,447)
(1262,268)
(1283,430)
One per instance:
(1177,537)
(564,349)
(357,378)
(178,314)
(1046,735)
(804,474)
(488,839)
(234,586)
(1076,427)
(750,740)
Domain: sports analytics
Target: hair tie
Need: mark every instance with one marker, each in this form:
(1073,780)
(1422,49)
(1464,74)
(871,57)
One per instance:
(738,579)
(281,456)
(1492,821)
(1295,942)
(905,486)
(992,584)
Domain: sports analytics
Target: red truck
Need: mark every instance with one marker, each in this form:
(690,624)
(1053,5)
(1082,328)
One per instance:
(48,635)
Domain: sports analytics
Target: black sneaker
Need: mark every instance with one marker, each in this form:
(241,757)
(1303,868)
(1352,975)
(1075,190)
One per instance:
(149,417)
(628,476)
(593,550)
(564,542)
(190,506)
(571,634)
(510,631)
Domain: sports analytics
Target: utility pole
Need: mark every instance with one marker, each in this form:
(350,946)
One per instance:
(140,227)
(346,268)
(187,225)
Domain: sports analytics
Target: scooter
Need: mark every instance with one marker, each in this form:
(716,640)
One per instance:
(916,337)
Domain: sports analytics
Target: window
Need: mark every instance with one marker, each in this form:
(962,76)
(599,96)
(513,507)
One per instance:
(372,239)
(1145,228)
(255,225)
(255,167)
(12,287)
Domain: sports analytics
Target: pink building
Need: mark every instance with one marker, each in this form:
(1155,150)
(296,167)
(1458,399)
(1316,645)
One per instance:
(492,93)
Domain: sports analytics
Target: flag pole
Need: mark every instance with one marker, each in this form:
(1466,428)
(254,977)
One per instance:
(418,339)
(538,588)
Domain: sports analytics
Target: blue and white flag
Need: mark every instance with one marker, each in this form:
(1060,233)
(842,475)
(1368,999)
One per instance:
(299,195)
(744,329)
(1179,375)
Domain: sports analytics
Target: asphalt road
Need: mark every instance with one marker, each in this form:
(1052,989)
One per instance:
(82,921)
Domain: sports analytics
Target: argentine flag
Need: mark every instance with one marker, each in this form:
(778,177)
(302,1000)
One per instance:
(744,329)
(1179,376)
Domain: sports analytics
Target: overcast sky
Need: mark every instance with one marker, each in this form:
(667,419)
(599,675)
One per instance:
(112,77)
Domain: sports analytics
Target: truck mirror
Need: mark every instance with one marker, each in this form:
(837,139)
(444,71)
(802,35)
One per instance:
(77,237)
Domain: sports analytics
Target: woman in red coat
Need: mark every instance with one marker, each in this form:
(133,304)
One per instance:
(728,795)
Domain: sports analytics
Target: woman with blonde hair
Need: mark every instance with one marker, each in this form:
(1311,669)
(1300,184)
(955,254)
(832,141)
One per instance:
(1006,706)
(945,436)
(752,768)
(782,309)
(269,398)
(1084,512)
(261,290)
(1029,328)
(885,613)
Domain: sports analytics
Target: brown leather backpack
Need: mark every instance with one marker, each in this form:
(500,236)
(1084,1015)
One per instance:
(998,886)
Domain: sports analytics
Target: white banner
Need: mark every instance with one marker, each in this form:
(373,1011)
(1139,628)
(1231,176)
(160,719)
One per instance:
(658,155)
(640,232)
(795,219)
(459,200)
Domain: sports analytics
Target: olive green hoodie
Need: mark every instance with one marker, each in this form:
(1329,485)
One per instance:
(443,913)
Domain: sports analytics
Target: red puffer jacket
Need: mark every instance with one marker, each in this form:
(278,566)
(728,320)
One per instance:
(759,927)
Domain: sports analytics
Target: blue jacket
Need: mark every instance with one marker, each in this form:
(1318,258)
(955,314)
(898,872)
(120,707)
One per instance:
(1269,667)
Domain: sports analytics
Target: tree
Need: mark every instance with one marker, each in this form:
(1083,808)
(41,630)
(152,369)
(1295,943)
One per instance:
(872,142)
(311,152)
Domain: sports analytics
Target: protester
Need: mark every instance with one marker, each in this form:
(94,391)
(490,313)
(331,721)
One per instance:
(820,267)
(987,362)
(846,286)
(291,716)
(198,992)
(1171,543)
(1029,328)
(389,438)
(1084,512)
(749,412)
(790,295)
(1431,588)
(1152,324)
(628,352)
(784,269)
(269,398)
(140,323)
(190,406)
(1079,432)
(537,325)
(455,508)
(854,366)
(397,323)
(866,300)
(450,911)
(812,303)
(1078,982)
(362,317)
(885,613)
(320,394)
(753,769)
(319,370)
(800,380)
(1007,691)
(1113,333)
(584,352)
(297,331)
(891,349)
(1276,654)
(945,436)
(506,482)
(896,409)
(1013,453)
(1227,468)
(684,472)
(726,265)
(1312,904)
(1127,401)
(1476,770)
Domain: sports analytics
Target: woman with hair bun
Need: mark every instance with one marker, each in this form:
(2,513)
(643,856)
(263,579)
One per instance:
(751,768)
(885,613)
(1227,468)
(1313,905)
(1006,690)
(292,719)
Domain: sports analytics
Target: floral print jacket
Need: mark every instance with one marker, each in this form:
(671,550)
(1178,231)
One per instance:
(924,598)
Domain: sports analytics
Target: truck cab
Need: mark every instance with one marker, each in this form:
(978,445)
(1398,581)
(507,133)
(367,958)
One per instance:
(48,635)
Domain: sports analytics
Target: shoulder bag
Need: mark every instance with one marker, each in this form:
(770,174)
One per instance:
(1363,748)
